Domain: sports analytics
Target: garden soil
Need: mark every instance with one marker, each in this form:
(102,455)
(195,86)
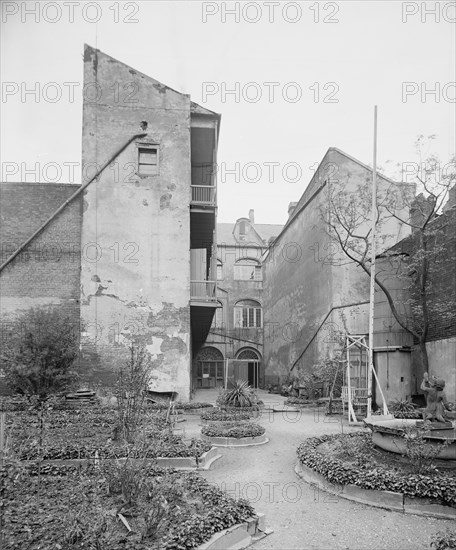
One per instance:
(301,516)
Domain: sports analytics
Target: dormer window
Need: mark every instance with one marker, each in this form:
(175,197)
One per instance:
(147,160)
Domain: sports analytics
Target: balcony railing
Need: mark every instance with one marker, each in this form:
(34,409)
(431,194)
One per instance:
(203,195)
(203,291)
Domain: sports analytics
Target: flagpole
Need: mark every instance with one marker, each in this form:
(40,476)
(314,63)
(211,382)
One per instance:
(370,366)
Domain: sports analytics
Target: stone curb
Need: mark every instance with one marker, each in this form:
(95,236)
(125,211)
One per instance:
(236,442)
(389,500)
(206,459)
(238,536)
(179,462)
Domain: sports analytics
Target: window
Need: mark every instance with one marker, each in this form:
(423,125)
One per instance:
(219,270)
(247,270)
(248,314)
(217,321)
(147,161)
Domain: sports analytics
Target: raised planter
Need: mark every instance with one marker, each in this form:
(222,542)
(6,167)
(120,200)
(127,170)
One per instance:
(254,411)
(206,459)
(179,462)
(372,497)
(238,536)
(222,422)
(236,441)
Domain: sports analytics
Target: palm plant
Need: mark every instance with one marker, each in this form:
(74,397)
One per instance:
(239,394)
(401,405)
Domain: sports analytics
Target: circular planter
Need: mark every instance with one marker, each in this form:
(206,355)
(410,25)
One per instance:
(254,411)
(222,423)
(236,441)
(377,498)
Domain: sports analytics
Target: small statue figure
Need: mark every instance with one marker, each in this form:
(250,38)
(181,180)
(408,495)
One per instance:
(436,400)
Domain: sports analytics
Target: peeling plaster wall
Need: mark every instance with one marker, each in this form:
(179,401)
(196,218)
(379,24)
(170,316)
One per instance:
(135,276)
(304,280)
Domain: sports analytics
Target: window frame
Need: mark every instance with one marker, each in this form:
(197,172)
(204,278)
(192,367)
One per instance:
(248,316)
(255,267)
(144,148)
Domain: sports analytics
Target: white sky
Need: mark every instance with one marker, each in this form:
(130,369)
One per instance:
(368,54)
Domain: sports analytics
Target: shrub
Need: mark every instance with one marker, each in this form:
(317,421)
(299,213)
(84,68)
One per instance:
(243,430)
(38,354)
(420,453)
(131,385)
(444,540)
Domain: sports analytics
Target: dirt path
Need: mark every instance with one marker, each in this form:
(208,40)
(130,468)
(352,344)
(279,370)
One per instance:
(303,517)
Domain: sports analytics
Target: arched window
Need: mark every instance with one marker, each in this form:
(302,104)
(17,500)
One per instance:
(219,270)
(248,314)
(247,269)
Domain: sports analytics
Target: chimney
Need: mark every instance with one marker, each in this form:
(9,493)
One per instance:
(291,208)
(252,216)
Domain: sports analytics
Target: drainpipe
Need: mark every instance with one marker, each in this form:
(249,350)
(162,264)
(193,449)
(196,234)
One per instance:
(73,196)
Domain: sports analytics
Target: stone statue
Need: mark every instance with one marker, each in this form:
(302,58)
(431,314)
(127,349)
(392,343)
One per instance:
(436,401)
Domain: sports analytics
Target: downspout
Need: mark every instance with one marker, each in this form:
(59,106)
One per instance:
(321,324)
(73,196)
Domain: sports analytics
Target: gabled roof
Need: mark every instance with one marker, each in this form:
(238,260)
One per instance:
(314,186)
(91,53)
(225,233)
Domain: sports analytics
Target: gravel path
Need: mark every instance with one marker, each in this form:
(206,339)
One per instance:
(303,517)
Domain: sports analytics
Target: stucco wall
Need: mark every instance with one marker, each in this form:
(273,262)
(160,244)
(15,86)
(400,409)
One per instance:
(309,282)
(139,284)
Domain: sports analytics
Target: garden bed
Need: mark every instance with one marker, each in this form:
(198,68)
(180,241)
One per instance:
(234,434)
(218,416)
(299,402)
(80,434)
(69,508)
(374,477)
(200,462)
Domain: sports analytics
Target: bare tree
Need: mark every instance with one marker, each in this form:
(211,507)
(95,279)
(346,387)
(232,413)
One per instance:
(418,259)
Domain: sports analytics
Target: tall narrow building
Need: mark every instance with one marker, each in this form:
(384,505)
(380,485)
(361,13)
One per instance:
(148,227)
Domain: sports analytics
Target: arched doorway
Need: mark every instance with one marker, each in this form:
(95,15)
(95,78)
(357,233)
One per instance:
(210,368)
(249,367)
